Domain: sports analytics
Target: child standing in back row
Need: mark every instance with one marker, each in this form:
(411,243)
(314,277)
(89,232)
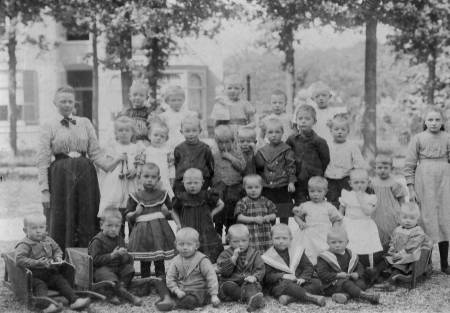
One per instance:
(246,137)
(278,101)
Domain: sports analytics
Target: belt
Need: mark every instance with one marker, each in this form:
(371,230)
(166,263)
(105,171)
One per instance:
(71,155)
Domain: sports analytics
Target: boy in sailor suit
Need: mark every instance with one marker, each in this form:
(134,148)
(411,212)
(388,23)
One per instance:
(340,271)
(289,271)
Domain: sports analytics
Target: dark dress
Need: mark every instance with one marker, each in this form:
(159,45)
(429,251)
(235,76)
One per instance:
(140,116)
(195,211)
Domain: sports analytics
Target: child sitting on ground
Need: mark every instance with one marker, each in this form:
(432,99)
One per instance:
(191,276)
(340,271)
(289,271)
(257,212)
(241,269)
(43,257)
(111,259)
(246,137)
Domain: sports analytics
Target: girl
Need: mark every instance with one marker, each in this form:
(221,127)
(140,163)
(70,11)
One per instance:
(196,208)
(311,151)
(427,174)
(390,194)
(275,163)
(246,137)
(151,239)
(159,153)
(257,212)
(118,183)
(357,206)
(315,219)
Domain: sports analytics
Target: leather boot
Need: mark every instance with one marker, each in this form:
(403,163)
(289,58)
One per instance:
(285,299)
(339,297)
(125,294)
(373,298)
(256,302)
(230,291)
(318,300)
(166,304)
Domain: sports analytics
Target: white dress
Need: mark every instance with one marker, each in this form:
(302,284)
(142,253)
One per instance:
(173,121)
(319,218)
(361,229)
(113,190)
(163,157)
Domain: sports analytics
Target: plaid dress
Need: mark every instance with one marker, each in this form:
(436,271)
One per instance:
(260,237)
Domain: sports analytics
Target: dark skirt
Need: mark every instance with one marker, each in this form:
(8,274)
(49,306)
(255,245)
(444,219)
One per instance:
(230,195)
(155,239)
(74,201)
(282,199)
(335,187)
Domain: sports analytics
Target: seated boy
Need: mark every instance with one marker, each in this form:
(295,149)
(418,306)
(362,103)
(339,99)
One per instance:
(242,270)
(340,271)
(42,255)
(289,271)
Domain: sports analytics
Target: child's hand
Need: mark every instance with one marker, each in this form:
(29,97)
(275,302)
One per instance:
(300,281)
(139,209)
(289,277)
(215,301)
(354,276)
(227,155)
(301,224)
(342,275)
(123,251)
(291,187)
(115,253)
(396,256)
(131,174)
(180,293)
(122,157)
(250,279)
(267,218)
(235,255)
(44,262)
(258,220)
(296,210)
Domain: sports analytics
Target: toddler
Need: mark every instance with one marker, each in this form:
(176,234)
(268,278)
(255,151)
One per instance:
(357,207)
(191,276)
(312,155)
(241,269)
(289,271)
(111,259)
(175,112)
(160,153)
(278,101)
(196,208)
(340,271)
(229,163)
(192,153)
(43,257)
(257,212)
(246,141)
(275,162)
(315,218)
(390,196)
(344,156)
(151,238)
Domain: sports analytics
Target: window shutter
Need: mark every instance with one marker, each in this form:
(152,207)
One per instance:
(30,98)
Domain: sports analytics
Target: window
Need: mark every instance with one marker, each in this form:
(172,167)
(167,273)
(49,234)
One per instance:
(81,81)
(195,92)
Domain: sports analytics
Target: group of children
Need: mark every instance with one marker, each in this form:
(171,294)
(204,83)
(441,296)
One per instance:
(346,219)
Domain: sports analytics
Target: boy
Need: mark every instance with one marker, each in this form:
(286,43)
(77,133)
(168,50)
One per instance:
(242,270)
(246,141)
(43,257)
(340,270)
(289,271)
(278,101)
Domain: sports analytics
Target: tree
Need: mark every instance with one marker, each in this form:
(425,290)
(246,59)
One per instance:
(17,13)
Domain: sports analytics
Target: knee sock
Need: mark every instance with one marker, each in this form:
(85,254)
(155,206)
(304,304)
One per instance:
(145,269)
(443,253)
(351,288)
(188,303)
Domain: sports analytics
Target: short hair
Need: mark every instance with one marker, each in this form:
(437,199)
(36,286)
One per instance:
(249,177)
(246,132)
(437,110)
(273,122)
(65,89)
(384,158)
(237,229)
(358,171)
(223,132)
(150,166)
(410,208)
(308,109)
(126,120)
(173,90)
(34,218)
(191,119)
(337,231)
(109,213)
(279,92)
(281,227)
(156,122)
(233,79)
(320,87)
(187,233)
(340,118)
(191,172)
(318,181)
(139,85)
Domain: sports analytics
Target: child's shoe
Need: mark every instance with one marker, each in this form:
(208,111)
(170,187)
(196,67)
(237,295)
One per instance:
(318,300)
(80,304)
(285,299)
(256,302)
(373,298)
(122,292)
(166,304)
(229,292)
(341,298)
(114,300)
(52,308)
(387,286)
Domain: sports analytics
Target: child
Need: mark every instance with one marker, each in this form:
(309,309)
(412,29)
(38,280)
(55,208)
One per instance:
(229,163)
(311,151)
(241,269)
(427,174)
(176,111)
(315,218)
(278,101)
(151,235)
(232,109)
(340,270)
(159,153)
(357,207)
(192,153)
(246,141)
(405,246)
(344,156)
(191,276)
(196,208)
(43,257)
(257,212)
(289,271)
(390,196)
(275,162)
(111,259)
(117,184)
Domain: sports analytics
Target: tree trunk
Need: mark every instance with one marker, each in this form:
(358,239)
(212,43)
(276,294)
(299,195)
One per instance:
(431,79)
(153,70)
(369,127)
(126,76)
(12,87)
(95,64)
(289,65)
